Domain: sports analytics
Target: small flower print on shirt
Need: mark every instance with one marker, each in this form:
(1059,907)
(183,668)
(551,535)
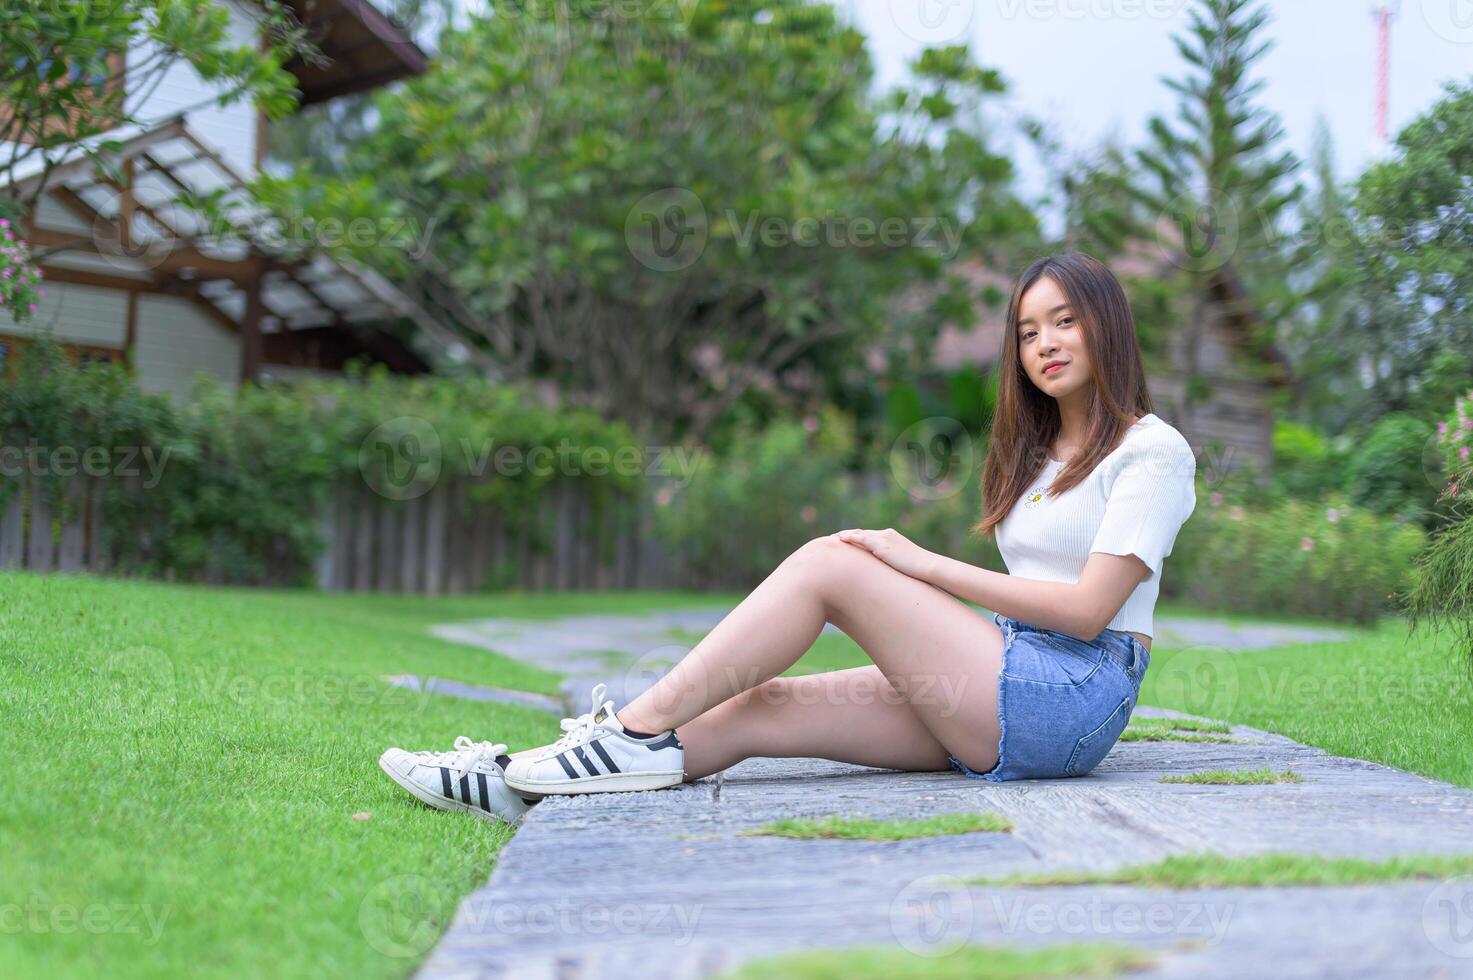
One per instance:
(1034,497)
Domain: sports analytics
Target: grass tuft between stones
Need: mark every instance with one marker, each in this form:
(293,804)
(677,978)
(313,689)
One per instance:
(1236,777)
(1181,724)
(1273,869)
(963,963)
(861,828)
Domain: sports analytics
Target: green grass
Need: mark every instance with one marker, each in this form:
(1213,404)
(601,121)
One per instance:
(1271,869)
(1181,724)
(1132,734)
(859,828)
(1400,700)
(1236,777)
(963,963)
(186,765)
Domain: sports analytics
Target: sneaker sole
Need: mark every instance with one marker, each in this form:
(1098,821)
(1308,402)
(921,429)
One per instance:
(620,782)
(439,802)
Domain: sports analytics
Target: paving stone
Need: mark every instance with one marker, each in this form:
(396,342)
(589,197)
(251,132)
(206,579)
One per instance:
(660,885)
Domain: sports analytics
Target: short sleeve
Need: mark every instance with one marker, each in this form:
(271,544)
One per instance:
(1151,497)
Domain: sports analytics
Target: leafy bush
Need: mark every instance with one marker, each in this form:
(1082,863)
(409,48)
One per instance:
(1326,559)
(242,476)
(1386,472)
(773,489)
(1306,464)
(1443,590)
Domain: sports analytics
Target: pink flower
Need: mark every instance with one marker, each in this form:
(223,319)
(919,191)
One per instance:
(1332,515)
(1236,513)
(810,422)
(1441,427)
(1305,544)
(663,496)
(1468,423)
(1463,453)
(1216,498)
(31,307)
(809,514)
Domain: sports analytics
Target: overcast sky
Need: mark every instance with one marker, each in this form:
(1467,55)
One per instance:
(1093,67)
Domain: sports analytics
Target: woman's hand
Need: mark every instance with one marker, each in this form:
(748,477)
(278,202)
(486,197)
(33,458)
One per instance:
(894,549)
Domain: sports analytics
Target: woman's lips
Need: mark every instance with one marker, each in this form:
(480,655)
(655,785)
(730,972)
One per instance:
(1054,368)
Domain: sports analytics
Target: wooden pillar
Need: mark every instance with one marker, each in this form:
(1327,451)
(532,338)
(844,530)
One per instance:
(250,331)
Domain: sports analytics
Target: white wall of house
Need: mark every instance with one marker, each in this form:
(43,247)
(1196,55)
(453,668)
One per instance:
(76,314)
(230,131)
(176,339)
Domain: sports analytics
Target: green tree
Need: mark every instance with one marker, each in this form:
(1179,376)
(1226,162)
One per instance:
(667,210)
(1217,183)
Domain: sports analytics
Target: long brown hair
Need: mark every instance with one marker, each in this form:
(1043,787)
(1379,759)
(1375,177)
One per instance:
(1026,420)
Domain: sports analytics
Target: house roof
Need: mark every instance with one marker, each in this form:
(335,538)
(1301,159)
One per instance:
(212,259)
(361,49)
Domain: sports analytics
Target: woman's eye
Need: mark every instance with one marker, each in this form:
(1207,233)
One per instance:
(1067,319)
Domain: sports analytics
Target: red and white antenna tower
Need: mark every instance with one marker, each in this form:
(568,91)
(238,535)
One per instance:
(1384,11)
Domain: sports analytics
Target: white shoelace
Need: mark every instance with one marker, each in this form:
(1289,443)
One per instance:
(465,756)
(577,730)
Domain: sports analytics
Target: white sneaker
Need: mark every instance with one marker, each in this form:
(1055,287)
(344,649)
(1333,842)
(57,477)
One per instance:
(595,755)
(467,778)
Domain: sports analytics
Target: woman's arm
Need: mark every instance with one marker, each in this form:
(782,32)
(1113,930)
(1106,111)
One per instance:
(1080,608)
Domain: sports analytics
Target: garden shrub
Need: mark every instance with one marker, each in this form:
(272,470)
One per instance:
(1385,470)
(1327,559)
(1442,593)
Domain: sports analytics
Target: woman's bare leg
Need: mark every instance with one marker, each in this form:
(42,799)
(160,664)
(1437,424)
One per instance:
(940,657)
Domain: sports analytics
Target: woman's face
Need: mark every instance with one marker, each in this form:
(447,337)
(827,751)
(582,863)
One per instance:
(1049,334)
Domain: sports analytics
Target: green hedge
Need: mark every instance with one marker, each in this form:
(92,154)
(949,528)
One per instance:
(1326,559)
(244,473)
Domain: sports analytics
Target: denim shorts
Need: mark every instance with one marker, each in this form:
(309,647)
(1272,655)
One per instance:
(1062,702)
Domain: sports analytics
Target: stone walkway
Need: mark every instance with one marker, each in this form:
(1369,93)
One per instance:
(658,884)
(630,653)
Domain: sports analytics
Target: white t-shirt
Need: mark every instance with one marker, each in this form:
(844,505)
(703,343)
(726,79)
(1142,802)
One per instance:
(1133,503)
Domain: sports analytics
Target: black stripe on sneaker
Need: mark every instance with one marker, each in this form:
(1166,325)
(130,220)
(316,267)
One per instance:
(604,756)
(465,788)
(485,795)
(592,769)
(668,742)
(445,782)
(562,760)
(503,760)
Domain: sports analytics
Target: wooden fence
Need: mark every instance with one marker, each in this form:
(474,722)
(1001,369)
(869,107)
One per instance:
(53,530)
(435,543)
(439,543)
